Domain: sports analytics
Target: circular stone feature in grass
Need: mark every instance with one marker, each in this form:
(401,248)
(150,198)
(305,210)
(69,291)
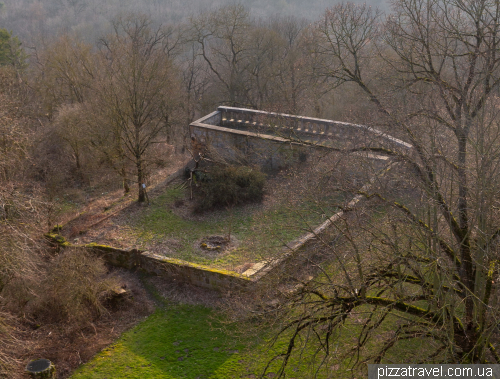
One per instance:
(215,245)
(212,243)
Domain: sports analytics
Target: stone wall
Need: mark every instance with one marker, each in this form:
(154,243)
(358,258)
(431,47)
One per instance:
(291,257)
(174,269)
(306,129)
(245,146)
(262,273)
(198,275)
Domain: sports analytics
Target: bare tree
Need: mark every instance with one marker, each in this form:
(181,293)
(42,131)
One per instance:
(195,79)
(106,135)
(223,38)
(70,125)
(295,81)
(262,64)
(64,72)
(138,88)
(21,210)
(431,69)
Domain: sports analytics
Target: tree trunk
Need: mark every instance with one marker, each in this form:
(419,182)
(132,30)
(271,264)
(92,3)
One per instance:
(469,340)
(140,182)
(126,187)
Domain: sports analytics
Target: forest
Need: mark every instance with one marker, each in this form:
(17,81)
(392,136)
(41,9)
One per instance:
(97,101)
(38,21)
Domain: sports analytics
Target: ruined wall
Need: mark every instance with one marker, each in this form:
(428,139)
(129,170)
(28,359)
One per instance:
(330,133)
(198,275)
(174,269)
(266,273)
(244,146)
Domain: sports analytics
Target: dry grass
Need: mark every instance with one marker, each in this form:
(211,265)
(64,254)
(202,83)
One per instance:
(100,206)
(68,347)
(74,290)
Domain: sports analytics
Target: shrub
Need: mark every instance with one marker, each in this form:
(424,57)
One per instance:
(226,186)
(75,288)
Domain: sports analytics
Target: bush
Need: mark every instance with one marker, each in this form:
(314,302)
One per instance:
(75,288)
(225,186)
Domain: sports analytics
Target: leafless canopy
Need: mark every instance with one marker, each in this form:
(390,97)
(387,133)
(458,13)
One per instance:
(430,261)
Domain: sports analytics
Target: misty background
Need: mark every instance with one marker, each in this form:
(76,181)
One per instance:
(36,21)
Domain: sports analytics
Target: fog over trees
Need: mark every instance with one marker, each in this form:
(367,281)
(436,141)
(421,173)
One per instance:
(40,20)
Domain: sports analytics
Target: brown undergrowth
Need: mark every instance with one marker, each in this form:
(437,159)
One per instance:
(68,347)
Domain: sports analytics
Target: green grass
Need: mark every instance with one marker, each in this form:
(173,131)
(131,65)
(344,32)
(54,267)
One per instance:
(188,342)
(181,342)
(260,233)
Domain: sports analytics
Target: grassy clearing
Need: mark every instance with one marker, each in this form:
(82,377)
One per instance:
(181,342)
(191,342)
(260,232)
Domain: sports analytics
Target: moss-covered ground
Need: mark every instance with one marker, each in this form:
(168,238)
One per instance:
(182,341)
(179,342)
(188,342)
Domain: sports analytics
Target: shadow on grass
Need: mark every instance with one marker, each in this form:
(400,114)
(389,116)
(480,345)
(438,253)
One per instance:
(191,342)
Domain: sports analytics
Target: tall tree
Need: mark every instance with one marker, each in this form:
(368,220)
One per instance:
(138,88)
(71,127)
(432,71)
(295,82)
(224,44)
(263,64)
